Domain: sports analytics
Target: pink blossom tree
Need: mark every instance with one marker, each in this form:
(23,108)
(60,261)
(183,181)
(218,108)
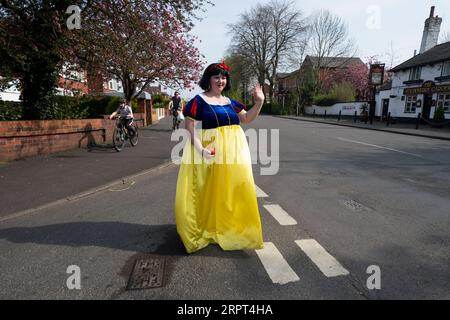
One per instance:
(139,42)
(358,75)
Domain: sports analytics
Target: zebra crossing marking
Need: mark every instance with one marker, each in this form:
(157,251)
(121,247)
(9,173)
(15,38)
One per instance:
(329,266)
(260,193)
(273,261)
(280,215)
(275,265)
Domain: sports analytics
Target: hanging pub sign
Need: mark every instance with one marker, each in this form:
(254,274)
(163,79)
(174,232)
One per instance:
(376,74)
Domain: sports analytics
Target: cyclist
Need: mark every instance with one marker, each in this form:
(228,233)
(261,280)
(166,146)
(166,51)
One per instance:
(175,106)
(126,116)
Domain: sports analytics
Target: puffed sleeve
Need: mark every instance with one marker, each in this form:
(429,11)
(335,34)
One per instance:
(238,107)
(193,109)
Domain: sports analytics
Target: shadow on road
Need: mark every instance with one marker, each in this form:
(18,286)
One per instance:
(102,148)
(155,130)
(159,239)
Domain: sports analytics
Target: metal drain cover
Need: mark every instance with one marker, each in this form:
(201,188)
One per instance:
(147,273)
(354,205)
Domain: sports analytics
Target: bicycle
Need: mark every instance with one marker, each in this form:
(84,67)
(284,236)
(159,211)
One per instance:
(121,134)
(176,122)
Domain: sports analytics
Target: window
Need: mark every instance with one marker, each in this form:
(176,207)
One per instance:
(110,85)
(411,103)
(444,101)
(445,69)
(415,73)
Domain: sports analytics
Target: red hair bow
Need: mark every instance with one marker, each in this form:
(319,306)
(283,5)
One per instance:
(223,66)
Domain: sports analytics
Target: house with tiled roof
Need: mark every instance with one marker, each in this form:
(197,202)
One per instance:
(329,66)
(422,83)
(330,63)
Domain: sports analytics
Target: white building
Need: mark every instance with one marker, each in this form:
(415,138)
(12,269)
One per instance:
(422,83)
(10,94)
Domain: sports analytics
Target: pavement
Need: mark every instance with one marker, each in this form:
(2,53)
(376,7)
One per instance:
(34,182)
(425,131)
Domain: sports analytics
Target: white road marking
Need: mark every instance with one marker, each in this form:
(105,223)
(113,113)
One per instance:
(280,215)
(260,193)
(379,147)
(329,266)
(276,266)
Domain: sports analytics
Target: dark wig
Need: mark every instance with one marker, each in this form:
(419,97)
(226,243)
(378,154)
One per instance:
(214,70)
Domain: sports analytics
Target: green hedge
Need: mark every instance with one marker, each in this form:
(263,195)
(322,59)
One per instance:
(341,92)
(101,105)
(64,107)
(160,101)
(10,110)
(324,100)
(275,108)
(439,114)
(68,108)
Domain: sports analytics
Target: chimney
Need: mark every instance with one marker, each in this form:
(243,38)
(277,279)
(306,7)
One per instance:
(415,52)
(430,32)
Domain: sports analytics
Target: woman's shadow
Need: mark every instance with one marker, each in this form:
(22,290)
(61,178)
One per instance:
(149,239)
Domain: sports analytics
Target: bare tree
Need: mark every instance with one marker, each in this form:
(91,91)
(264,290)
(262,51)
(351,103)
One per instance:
(328,38)
(391,57)
(265,35)
(296,56)
(251,36)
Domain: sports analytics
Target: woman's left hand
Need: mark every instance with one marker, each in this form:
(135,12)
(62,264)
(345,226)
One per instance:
(258,94)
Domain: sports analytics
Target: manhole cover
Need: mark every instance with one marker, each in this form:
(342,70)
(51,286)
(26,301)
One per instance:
(354,205)
(147,273)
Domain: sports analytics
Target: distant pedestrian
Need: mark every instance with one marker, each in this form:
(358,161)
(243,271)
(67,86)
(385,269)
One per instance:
(175,107)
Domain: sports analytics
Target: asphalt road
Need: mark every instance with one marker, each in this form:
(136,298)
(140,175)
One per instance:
(367,198)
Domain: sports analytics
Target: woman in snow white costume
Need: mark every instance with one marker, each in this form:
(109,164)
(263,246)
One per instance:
(216,197)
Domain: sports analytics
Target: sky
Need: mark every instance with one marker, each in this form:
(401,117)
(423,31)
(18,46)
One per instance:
(375,25)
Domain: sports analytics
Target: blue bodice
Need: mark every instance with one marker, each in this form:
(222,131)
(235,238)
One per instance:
(213,115)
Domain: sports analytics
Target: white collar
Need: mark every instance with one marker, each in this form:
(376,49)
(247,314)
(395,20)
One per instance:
(215,104)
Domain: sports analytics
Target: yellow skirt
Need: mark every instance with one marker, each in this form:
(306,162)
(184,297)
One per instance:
(216,199)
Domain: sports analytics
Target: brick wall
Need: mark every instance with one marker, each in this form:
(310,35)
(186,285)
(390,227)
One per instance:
(19,139)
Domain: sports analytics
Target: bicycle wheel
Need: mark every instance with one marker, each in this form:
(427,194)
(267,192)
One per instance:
(134,139)
(174,123)
(118,139)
